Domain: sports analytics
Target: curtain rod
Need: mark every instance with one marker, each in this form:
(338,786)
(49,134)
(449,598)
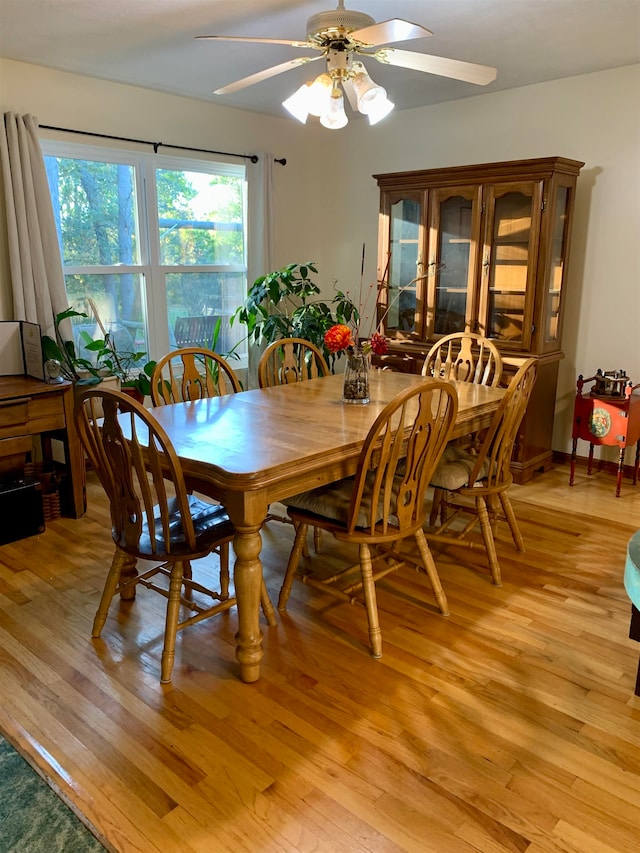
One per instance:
(253,157)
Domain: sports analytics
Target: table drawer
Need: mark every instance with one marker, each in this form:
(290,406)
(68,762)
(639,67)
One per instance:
(14,413)
(15,446)
(31,415)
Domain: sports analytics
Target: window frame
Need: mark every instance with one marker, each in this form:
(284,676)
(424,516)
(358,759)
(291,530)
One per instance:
(152,271)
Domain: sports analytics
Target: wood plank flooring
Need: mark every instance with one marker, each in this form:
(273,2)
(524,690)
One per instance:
(509,726)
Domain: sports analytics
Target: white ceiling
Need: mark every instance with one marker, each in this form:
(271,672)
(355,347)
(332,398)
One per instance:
(150,43)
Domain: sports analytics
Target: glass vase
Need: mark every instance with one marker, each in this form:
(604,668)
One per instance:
(355,387)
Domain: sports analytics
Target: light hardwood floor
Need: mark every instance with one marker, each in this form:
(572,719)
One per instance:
(509,726)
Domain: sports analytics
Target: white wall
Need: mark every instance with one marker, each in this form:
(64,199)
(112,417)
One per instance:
(327,202)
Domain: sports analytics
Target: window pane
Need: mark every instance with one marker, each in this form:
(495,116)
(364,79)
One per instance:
(94,204)
(200,218)
(119,303)
(405,226)
(558,252)
(195,301)
(452,276)
(509,270)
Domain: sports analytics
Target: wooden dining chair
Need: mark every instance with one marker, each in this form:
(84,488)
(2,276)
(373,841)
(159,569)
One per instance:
(382,504)
(191,373)
(290,360)
(475,484)
(153,517)
(286,361)
(466,357)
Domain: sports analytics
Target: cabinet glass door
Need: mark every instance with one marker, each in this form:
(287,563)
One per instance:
(404,266)
(553,290)
(509,263)
(453,242)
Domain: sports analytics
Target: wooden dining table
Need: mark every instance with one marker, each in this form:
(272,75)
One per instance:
(255,447)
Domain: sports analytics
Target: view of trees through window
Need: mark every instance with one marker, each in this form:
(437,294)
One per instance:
(151,241)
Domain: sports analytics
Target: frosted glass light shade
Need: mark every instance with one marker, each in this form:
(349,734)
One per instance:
(335,117)
(369,95)
(323,98)
(319,95)
(382,108)
(298,103)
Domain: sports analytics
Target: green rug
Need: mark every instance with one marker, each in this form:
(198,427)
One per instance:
(33,819)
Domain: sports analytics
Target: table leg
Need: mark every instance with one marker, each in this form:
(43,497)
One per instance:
(590,460)
(637,464)
(573,463)
(620,472)
(247,544)
(75,459)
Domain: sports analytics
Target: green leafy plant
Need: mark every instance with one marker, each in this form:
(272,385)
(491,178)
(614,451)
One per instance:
(126,364)
(72,366)
(284,304)
(140,381)
(108,360)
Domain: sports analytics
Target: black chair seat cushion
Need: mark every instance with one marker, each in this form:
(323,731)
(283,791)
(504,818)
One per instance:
(209,520)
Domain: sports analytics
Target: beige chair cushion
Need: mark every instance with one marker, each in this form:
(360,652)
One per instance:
(333,500)
(454,468)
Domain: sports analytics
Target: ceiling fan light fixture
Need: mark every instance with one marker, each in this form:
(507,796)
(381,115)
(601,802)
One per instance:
(298,103)
(340,36)
(335,117)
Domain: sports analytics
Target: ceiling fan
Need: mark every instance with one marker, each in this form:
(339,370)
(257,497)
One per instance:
(342,37)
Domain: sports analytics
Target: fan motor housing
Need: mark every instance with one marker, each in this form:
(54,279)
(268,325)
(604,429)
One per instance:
(344,19)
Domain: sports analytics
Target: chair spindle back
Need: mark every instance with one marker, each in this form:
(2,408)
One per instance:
(465,357)
(399,456)
(192,373)
(290,360)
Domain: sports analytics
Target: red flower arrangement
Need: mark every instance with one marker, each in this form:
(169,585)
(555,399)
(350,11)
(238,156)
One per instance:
(340,337)
(378,343)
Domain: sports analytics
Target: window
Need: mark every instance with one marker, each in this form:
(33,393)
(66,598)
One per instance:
(158,244)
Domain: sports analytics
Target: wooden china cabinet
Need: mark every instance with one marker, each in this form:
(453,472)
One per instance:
(482,248)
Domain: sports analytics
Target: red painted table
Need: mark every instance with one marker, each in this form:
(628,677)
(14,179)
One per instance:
(607,419)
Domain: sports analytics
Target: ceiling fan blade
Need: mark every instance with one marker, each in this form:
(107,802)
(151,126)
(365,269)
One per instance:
(385,32)
(260,40)
(350,92)
(455,68)
(264,75)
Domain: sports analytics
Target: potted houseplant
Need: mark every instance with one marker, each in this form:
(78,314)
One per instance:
(107,360)
(73,366)
(285,304)
(138,385)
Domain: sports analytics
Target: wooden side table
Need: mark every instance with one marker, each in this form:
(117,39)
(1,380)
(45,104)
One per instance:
(29,407)
(607,419)
(632,586)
